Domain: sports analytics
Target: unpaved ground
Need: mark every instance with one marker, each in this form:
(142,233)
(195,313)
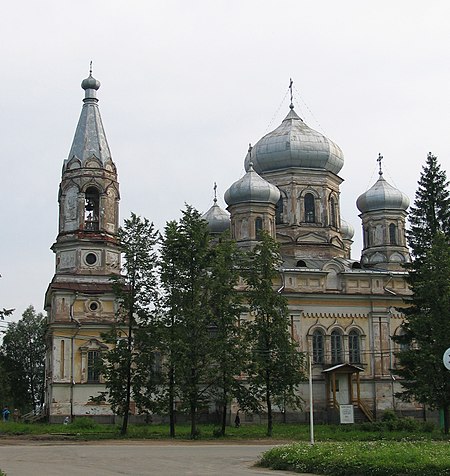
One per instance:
(22,457)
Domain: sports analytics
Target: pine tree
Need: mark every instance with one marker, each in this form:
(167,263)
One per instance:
(426,331)
(431,210)
(275,368)
(128,366)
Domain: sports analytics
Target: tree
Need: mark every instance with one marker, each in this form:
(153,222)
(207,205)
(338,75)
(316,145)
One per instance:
(23,356)
(185,263)
(431,211)
(226,307)
(427,324)
(275,368)
(128,367)
(426,331)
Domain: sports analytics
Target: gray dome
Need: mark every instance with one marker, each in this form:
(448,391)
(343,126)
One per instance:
(90,83)
(347,230)
(294,144)
(252,188)
(218,219)
(382,196)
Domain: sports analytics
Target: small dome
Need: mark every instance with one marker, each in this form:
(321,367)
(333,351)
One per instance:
(382,196)
(347,230)
(295,145)
(218,219)
(90,83)
(252,188)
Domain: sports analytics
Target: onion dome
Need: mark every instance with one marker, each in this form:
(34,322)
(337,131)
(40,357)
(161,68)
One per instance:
(217,218)
(382,196)
(90,83)
(252,188)
(295,145)
(347,230)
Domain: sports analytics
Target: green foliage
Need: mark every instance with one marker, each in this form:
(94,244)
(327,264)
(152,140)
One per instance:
(128,367)
(362,458)
(186,259)
(275,366)
(431,211)
(84,423)
(427,326)
(22,356)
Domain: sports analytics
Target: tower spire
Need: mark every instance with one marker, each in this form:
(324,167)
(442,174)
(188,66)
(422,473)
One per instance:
(215,192)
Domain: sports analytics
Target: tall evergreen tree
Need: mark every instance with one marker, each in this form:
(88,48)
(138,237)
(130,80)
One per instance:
(426,331)
(427,323)
(185,262)
(23,356)
(128,367)
(431,210)
(276,366)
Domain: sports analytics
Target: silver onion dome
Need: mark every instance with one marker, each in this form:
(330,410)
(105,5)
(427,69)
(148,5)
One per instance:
(217,218)
(295,145)
(90,83)
(382,196)
(347,230)
(252,188)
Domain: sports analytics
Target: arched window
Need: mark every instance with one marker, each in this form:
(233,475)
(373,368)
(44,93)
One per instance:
(91,209)
(301,263)
(318,345)
(310,214)
(93,366)
(392,234)
(336,347)
(354,347)
(258,225)
(279,211)
(333,220)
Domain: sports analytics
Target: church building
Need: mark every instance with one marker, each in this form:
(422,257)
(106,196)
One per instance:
(343,312)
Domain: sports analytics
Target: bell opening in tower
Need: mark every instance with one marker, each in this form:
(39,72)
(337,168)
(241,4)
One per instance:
(91,209)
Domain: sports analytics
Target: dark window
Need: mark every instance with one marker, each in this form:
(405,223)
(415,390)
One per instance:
(318,347)
(91,258)
(94,361)
(91,209)
(301,263)
(333,213)
(279,211)
(354,347)
(258,225)
(336,347)
(392,234)
(310,214)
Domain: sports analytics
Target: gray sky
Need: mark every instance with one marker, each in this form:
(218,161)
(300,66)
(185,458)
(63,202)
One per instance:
(186,85)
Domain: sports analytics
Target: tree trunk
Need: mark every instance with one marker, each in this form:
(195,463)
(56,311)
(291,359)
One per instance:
(445,410)
(171,401)
(269,414)
(193,421)
(126,409)
(224,416)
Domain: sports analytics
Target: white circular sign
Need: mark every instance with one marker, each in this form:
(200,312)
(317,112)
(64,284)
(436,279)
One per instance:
(446,359)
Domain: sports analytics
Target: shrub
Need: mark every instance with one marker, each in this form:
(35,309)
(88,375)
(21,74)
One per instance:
(84,423)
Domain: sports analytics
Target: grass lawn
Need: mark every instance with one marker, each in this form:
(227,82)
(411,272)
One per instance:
(380,458)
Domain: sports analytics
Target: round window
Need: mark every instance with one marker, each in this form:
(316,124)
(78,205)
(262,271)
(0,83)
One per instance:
(91,258)
(93,306)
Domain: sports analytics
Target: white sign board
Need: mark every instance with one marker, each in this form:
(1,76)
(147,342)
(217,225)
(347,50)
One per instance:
(446,359)
(346,412)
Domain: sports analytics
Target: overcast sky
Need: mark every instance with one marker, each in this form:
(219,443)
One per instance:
(186,85)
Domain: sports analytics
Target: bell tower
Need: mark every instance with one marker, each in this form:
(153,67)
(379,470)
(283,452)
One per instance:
(80,303)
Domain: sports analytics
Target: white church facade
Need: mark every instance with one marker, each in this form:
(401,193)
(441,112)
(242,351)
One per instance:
(343,312)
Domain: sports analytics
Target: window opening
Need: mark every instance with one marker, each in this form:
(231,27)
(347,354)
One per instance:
(354,347)
(93,366)
(91,209)
(279,211)
(392,234)
(258,225)
(310,215)
(333,212)
(318,347)
(336,347)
